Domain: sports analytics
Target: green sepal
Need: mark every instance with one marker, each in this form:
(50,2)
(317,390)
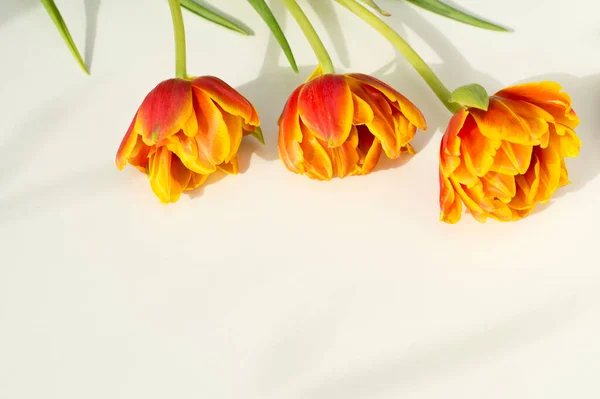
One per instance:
(214,17)
(64,31)
(257,132)
(267,15)
(472,95)
(447,11)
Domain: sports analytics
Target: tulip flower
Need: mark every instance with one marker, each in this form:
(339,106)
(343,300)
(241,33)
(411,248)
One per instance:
(501,162)
(184,131)
(339,124)
(501,155)
(187,129)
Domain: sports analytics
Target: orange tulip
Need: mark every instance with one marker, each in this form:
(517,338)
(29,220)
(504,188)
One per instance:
(339,125)
(501,162)
(184,131)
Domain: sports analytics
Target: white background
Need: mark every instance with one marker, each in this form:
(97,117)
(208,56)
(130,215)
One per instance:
(268,284)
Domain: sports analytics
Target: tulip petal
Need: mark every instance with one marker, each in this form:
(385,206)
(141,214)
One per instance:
(213,136)
(362,111)
(527,186)
(290,135)
(410,111)
(227,97)
(570,143)
(476,210)
(186,148)
(546,95)
(369,150)
(317,163)
(345,157)
(382,126)
(168,176)
(477,150)
(498,185)
(234,125)
(501,121)
(327,109)
(196,180)
(165,110)
(512,159)
(450,144)
(450,204)
(404,129)
(550,169)
(564,174)
(139,155)
(231,167)
(127,145)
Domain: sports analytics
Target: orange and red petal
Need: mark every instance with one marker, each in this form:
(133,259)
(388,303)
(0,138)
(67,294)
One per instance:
(450,143)
(502,122)
(168,176)
(228,98)
(165,110)
(547,95)
(450,204)
(326,107)
(213,136)
(411,112)
(290,135)
(317,162)
(127,145)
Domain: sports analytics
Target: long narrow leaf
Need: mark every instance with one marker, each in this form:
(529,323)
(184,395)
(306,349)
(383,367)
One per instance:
(267,15)
(64,31)
(373,5)
(447,11)
(213,17)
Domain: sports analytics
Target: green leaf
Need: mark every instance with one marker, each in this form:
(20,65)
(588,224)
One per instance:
(472,95)
(211,16)
(267,15)
(64,31)
(447,11)
(374,6)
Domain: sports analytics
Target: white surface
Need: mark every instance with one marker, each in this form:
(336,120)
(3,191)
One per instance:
(268,284)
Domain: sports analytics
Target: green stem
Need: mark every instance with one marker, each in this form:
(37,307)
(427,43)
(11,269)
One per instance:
(64,31)
(311,35)
(179,33)
(408,52)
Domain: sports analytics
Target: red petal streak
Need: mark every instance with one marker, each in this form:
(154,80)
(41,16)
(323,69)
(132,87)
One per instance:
(326,107)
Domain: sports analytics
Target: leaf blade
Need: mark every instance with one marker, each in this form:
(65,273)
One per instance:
(448,11)
(213,17)
(60,24)
(261,7)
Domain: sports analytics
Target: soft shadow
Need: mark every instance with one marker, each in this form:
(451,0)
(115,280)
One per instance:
(24,142)
(11,10)
(212,179)
(404,371)
(454,69)
(298,344)
(224,15)
(91,14)
(330,21)
(58,194)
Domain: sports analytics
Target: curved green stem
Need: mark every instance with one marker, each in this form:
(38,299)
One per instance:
(311,35)
(408,52)
(179,33)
